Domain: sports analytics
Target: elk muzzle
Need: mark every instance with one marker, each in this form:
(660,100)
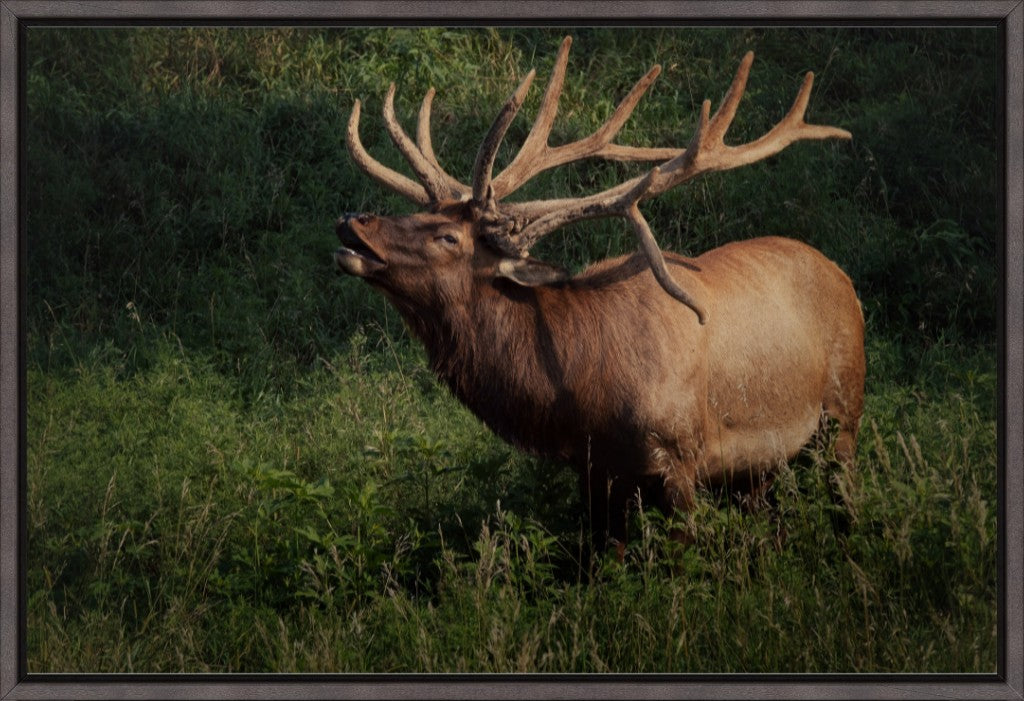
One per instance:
(356,256)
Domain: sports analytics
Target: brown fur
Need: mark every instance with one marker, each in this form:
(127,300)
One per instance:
(609,373)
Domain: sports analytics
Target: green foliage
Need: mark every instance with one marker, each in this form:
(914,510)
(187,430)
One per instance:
(299,548)
(239,462)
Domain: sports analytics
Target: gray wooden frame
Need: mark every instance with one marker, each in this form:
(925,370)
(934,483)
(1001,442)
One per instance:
(16,684)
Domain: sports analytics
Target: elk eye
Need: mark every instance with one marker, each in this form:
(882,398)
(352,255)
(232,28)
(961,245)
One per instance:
(364,218)
(447,238)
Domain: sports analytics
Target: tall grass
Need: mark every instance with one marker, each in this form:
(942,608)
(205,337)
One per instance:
(238,461)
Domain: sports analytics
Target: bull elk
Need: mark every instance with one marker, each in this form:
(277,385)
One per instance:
(716,383)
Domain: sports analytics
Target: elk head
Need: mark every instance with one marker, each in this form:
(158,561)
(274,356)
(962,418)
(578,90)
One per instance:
(470,232)
(432,257)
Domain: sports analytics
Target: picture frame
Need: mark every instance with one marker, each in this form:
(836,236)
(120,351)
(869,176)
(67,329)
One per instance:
(18,16)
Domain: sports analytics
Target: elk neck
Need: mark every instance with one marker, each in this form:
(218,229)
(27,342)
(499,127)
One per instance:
(543,367)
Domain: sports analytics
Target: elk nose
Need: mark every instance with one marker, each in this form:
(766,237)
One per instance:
(343,225)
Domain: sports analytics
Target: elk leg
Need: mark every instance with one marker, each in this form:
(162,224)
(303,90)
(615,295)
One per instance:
(676,494)
(845,404)
(846,444)
(621,493)
(843,431)
(761,499)
(607,500)
(759,496)
(594,494)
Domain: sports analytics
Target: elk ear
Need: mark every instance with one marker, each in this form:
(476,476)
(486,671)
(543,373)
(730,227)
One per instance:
(530,272)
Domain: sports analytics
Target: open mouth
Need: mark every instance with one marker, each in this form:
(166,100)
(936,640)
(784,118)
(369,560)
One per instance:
(355,257)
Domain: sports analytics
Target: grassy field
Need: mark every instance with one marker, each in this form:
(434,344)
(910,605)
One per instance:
(239,461)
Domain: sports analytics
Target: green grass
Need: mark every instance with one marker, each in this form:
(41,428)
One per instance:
(238,461)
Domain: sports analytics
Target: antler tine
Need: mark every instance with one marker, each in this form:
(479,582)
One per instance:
(423,127)
(799,109)
(536,155)
(549,104)
(685,161)
(650,249)
(796,114)
(390,179)
(484,163)
(618,152)
(427,149)
(727,110)
(518,171)
(436,182)
(608,131)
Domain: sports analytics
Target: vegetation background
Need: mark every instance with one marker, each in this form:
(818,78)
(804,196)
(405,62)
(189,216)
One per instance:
(238,461)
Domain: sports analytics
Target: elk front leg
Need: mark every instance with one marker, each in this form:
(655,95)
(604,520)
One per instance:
(673,493)
(607,500)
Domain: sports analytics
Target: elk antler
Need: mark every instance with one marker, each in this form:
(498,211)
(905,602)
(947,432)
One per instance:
(489,148)
(515,227)
(536,156)
(705,153)
(437,185)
